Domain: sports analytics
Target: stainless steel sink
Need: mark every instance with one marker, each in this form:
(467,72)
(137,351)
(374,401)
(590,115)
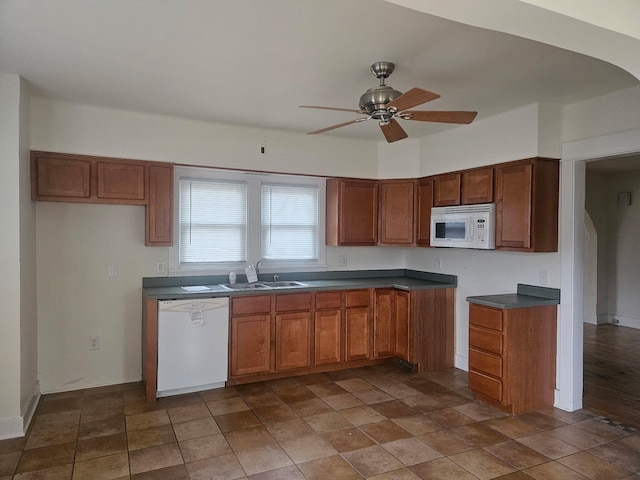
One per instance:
(284,284)
(262,285)
(244,286)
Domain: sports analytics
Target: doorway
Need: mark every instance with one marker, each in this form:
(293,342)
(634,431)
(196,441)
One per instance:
(611,281)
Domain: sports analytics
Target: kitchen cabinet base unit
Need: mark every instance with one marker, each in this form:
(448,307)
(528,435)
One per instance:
(512,356)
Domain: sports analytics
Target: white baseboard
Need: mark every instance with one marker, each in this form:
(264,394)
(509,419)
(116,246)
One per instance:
(624,321)
(461,362)
(14,427)
(590,318)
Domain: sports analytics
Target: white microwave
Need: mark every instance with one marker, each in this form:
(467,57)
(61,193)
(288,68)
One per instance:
(464,226)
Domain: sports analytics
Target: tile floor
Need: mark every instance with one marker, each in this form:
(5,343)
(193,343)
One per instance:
(375,423)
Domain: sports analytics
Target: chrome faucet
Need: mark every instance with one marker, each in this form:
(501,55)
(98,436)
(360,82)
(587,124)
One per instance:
(258,266)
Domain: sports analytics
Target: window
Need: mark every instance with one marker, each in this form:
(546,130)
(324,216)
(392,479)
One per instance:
(227,220)
(289,222)
(213,221)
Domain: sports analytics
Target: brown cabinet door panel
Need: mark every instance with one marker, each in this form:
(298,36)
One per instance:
(446,190)
(63,178)
(328,300)
(423,214)
(485,317)
(293,340)
(120,180)
(358,333)
(357,298)
(253,304)
(397,199)
(485,340)
(250,344)
(159,216)
(328,336)
(383,324)
(402,327)
(292,302)
(485,362)
(486,385)
(477,186)
(513,205)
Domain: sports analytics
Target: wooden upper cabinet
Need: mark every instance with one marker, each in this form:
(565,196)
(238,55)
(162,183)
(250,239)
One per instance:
(477,186)
(424,203)
(60,178)
(397,201)
(159,215)
(527,196)
(352,212)
(446,189)
(120,180)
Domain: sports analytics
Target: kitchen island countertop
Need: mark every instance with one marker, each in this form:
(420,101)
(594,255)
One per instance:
(525,296)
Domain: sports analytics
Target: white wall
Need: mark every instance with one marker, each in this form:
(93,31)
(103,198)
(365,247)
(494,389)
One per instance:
(619,228)
(17,290)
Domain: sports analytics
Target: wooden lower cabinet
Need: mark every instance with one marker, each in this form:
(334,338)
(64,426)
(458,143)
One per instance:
(293,340)
(279,335)
(250,346)
(512,356)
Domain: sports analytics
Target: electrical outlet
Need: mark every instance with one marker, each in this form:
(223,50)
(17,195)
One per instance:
(112,272)
(342,260)
(161,266)
(544,280)
(94,343)
(439,263)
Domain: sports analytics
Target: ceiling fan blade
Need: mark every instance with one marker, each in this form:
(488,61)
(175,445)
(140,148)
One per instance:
(393,131)
(331,108)
(441,117)
(326,129)
(411,98)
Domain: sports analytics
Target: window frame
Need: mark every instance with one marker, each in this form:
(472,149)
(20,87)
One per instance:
(254,181)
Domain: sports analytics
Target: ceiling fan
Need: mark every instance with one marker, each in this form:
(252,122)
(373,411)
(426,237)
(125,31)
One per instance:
(385,104)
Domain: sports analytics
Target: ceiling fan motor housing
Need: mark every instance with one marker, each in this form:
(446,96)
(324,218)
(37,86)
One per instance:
(373,102)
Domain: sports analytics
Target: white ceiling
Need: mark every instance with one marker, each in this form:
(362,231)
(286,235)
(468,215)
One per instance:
(252,62)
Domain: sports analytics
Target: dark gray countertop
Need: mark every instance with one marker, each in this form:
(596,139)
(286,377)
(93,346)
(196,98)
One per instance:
(525,296)
(168,288)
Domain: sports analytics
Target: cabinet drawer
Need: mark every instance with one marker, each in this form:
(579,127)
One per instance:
(485,340)
(486,385)
(358,298)
(485,317)
(485,362)
(246,305)
(292,302)
(328,300)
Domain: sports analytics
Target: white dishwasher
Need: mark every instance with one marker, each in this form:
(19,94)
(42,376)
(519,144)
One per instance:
(193,339)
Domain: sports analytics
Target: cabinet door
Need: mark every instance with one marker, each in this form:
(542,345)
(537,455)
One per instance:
(352,212)
(120,181)
(250,344)
(402,326)
(358,333)
(477,186)
(513,205)
(397,200)
(328,335)
(59,177)
(159,215)
(293,340)
(446,190)
(383,324)
(423,213)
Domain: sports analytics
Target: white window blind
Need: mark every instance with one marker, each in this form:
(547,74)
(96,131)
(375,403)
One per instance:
(213,221)
(289,222)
